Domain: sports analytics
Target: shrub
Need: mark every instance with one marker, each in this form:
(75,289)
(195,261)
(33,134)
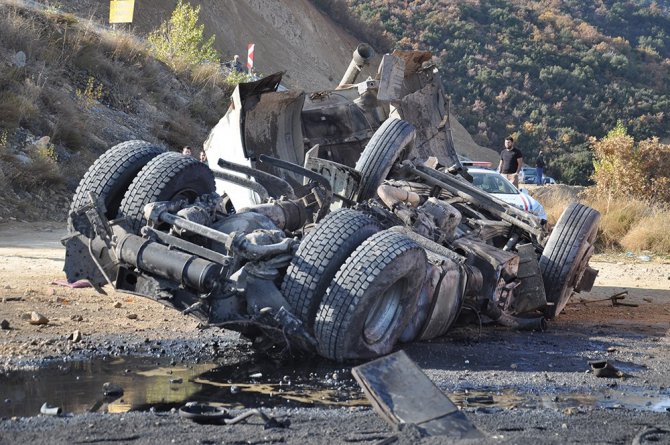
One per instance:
(624,168)
(179,42)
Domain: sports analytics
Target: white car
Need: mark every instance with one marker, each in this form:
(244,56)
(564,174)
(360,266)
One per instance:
(493,182)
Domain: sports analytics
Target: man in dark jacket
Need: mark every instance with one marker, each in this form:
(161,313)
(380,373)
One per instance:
(511,161)
(539,168)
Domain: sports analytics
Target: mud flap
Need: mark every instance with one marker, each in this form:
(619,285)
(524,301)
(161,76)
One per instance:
(402,394)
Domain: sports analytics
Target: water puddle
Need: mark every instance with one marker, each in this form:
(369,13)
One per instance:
(620,398)
(149,383)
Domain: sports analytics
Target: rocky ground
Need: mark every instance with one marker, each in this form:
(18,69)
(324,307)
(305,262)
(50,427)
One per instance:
(539,383)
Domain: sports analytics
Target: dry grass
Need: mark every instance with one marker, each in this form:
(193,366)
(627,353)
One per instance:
(617,218)
(555,199)
(63,54)
(650,233)
(626,223)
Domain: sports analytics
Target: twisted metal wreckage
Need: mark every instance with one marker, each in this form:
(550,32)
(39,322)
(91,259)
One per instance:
(325,222)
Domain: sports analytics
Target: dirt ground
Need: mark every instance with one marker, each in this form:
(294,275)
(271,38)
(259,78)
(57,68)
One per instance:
(553,362)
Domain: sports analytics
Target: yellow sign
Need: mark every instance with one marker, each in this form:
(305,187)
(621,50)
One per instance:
(121,11)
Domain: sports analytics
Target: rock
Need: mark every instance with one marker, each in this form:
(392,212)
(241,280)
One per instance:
(20,59)
(132,316)
(38,319)
(25,160)
(117,304)
(76,318)
(111,389)
(4,324)
(42,142)
(75,337)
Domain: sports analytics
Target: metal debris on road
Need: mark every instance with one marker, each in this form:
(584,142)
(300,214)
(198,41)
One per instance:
(614,299)
(204,413)
(79,284)
(402,394)
(603,368)
(50,410)
(110,389)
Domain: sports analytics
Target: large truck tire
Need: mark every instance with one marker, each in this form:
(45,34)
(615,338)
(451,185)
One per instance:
(320,255)
(168,177)
(371,299)
(566,254)
(389,144)
(111,174)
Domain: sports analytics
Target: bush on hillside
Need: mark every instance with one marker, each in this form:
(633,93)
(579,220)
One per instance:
(625,168)
(180,41)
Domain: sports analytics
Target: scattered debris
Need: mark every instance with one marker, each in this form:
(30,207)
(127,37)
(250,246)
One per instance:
(402,394)
(603,368)
(77,318)
(79,284)
(50,410)
(111,389)
(6,299)
(486,400)
(75,337)
(117,304)
(132,316)
(205,413)
(38,319)
(614,299)
(177,381)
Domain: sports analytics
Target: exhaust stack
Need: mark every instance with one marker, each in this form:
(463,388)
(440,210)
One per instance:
(361,57)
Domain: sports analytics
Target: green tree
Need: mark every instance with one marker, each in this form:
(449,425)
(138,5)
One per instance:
(180,41)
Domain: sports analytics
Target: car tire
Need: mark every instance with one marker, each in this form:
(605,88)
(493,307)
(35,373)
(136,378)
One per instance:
(390,143)
(167,177)
(320,255)
(371,299)
(566,254)
(111,174)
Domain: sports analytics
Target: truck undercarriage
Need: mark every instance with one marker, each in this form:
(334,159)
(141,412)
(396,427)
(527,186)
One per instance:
(325,224)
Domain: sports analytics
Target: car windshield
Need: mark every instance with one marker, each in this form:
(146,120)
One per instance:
(493,183)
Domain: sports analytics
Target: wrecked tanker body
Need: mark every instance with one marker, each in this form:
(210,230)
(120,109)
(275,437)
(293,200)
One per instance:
(325,224)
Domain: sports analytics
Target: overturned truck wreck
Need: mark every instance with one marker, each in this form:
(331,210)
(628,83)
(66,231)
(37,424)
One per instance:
(338,222)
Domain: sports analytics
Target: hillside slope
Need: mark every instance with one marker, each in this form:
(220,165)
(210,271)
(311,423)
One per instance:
(552,73)
(70,88)
(290,35)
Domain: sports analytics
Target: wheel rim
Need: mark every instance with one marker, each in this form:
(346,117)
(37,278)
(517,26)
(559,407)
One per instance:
(189,195)
(384,312)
